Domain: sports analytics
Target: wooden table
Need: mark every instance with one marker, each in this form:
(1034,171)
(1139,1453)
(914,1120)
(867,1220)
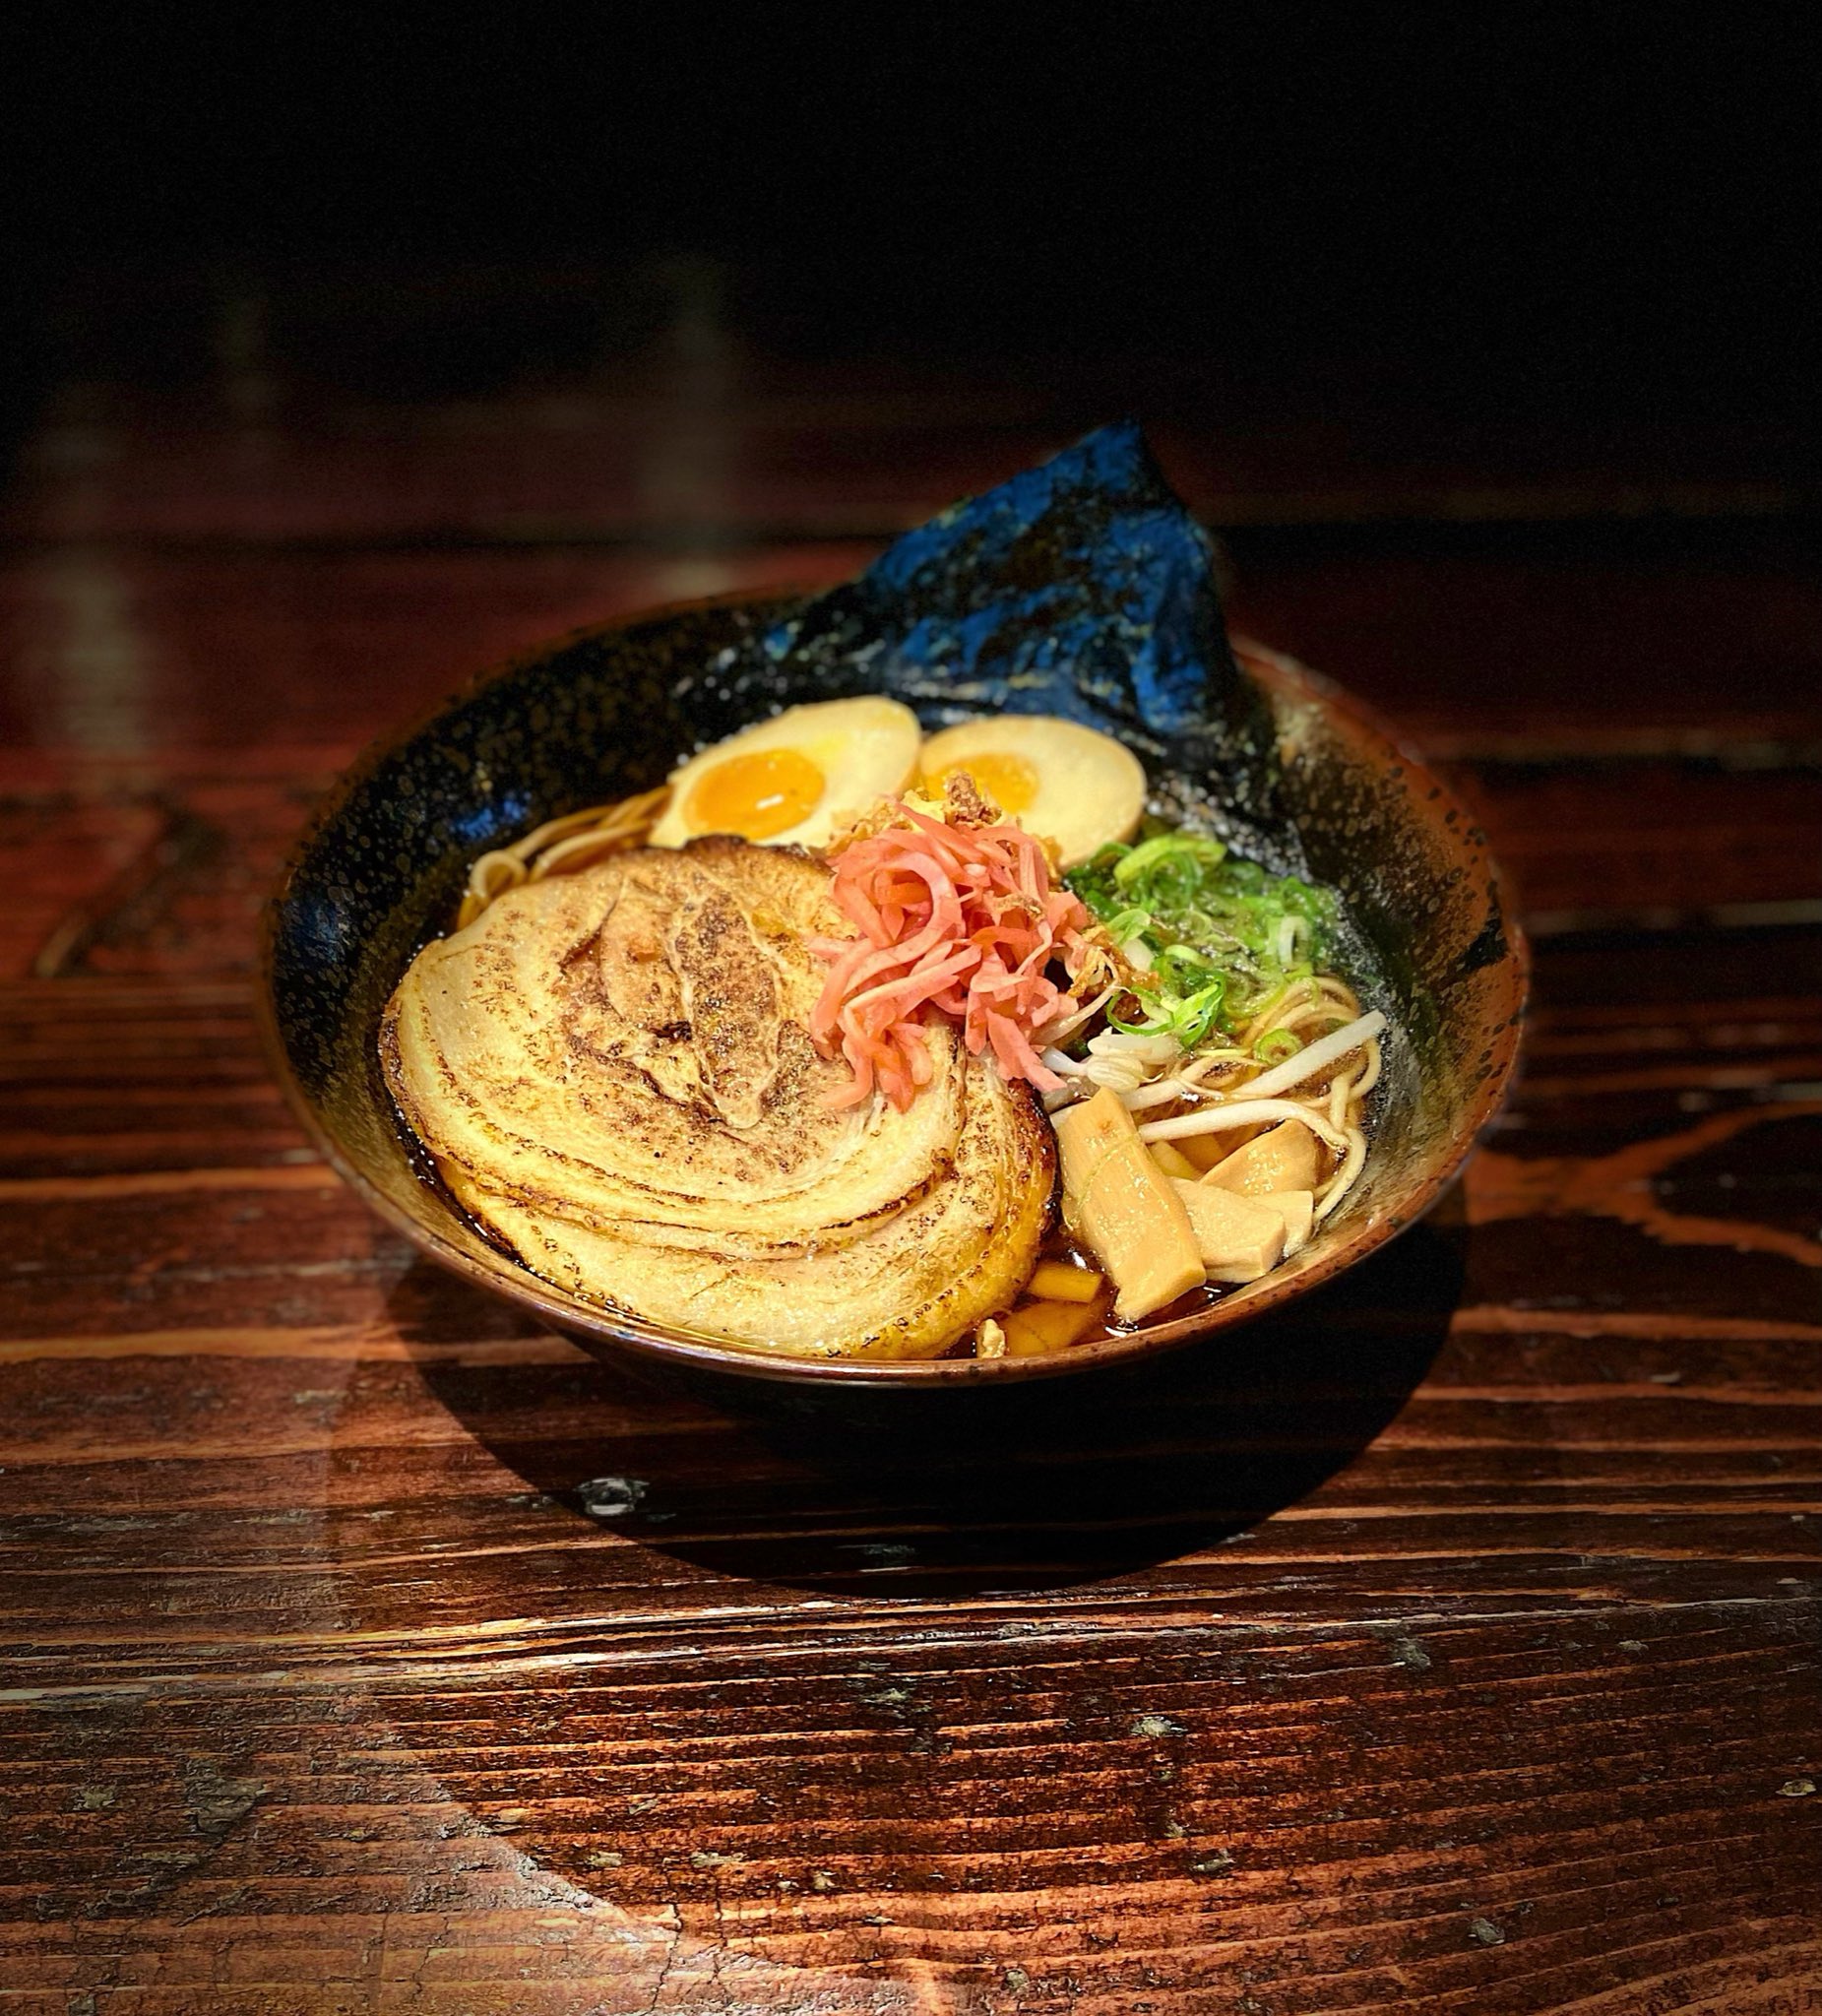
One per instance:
(1452,1647)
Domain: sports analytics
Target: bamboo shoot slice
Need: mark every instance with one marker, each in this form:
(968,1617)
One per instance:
(1298,1208)
(1173,1162)
(1042,1327)
(1282,1158)
(1238,1238)
(1203,1152)
(1124,1207)
(1057,1281)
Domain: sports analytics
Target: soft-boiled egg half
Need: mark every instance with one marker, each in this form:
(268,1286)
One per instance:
(1056,778)
(797,778)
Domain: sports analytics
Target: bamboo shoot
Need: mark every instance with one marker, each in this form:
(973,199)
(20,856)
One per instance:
(1238,1238)
(1172,1160)
(1057,1281)
(1125,1209)
(1283,1158)
(1298,1208)
(1041,1327)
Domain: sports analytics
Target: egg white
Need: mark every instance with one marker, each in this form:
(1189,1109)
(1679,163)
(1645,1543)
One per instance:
(866,748)
(1090,789)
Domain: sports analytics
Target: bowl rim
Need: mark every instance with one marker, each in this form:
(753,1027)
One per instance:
(614,1334)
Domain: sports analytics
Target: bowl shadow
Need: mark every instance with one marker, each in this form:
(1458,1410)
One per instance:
(916,1494)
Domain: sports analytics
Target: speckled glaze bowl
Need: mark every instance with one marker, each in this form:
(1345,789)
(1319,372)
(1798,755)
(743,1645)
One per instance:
(594,716)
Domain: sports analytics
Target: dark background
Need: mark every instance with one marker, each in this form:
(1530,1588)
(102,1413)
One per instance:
(1567,220)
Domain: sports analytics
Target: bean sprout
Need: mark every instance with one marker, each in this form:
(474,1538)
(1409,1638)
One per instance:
(1317,1057)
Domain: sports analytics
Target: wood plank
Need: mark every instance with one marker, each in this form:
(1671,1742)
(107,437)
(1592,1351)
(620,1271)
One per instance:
(1695,655)
(152,653)
(1449,1644)
(168,877)
(1093,1805)
(595,400)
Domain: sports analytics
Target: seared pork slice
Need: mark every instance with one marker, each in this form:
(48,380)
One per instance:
(631,1045)
(918,1282)
(614,1073)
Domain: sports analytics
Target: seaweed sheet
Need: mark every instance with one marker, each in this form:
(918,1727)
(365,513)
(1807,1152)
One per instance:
(1081,588)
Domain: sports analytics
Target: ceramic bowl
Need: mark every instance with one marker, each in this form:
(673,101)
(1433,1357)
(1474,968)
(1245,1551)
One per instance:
(594,716)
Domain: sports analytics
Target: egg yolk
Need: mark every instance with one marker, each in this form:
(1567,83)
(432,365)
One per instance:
(758,794)
(1009,780)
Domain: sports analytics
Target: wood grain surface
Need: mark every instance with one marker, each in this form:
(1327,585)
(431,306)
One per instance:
(1449,1645)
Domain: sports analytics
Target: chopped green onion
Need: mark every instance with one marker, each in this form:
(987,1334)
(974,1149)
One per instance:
(1166,850)
(1277,1046)
(1215,938)
(1127,923)
(1187,1018)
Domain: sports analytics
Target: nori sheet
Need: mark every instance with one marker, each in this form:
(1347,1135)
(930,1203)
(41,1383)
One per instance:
(1081,588)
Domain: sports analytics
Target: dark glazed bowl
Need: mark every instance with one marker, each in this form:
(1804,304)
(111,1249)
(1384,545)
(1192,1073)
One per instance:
(595,717)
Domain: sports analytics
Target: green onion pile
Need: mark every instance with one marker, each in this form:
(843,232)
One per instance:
(1215,938)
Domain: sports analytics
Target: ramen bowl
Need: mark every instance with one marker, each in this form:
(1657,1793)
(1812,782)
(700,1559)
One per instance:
(597,716)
